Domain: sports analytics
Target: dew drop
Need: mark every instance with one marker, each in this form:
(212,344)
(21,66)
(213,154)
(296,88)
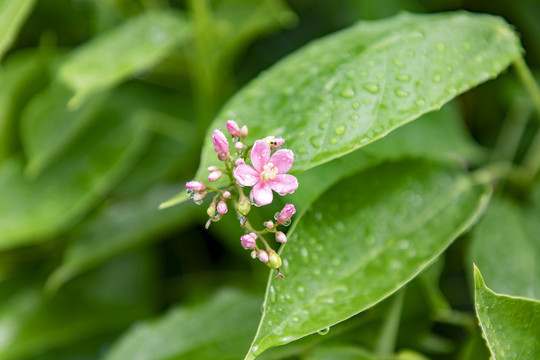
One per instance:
(437,78)
(254,349)
(272,292)
(305,255)
(399,62)
(301,291)
(401,93)
(380,75)
(333,141)
(286,339)
(440,46)
(371,87)
(354,117)
(323,331)
(363,74)
(420,102)
(340,130)
(315,141)
(323,125)
(403,77)
(356,106)
(295,319)
(302,150)
(348,92)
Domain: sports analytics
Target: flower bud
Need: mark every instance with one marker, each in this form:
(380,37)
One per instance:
(244,132)
(269,225)
(226,195)
(281,237)
(239,162)
(254,254)
(244,206)
(239,146)
(199,196)
(214,176)
(263,256)
(233,128)
(195,186)
(222,207)
(211,211)
(221,144)
(285,215)
(248,241)
(274,261)
(276,143)
(212,168)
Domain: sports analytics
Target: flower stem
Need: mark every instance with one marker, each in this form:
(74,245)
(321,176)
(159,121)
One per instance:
(387,338)
(528,80)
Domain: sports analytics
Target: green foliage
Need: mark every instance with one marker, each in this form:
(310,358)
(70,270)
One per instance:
(511,325)
(107,109)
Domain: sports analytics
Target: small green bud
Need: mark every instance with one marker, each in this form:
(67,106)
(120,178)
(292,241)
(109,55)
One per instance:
(274,261)
(211,209)
(244,206)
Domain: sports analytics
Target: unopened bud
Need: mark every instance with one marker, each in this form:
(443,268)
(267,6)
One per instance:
(281,237)
(199,196)
(284,217)
(221,144)
(248,241)
(244,206)
(254,254)
(238,146)
(239,162)
(211,211)
(233,128)
(222,207)
(214,176)
(226,195)
(269,225)
(212,168)
(195,186)
(263,256)
(274,261)
(244,132)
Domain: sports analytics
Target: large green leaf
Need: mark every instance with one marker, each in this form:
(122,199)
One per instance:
(107,300)
(346,90)
(113,56)
(33,211)
(506,250)
(361,241)
(216,329)
(13,14)
(120,226)
(511,325)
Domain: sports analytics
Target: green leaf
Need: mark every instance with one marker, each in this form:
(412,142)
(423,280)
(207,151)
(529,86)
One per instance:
(120,226)
(13,14)
(216,329)
(48,125)
(104,301)
(339,352)
(113,56)
(21,76)
(348,89)
(506,251)
(511,325)
(361,241)
(33,211)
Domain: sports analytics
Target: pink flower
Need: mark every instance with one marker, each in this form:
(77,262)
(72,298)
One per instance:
(221,144)
(267,173)
(248,241)
(233,128)
(286,214)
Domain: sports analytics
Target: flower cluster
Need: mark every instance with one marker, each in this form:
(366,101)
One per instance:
(265,175)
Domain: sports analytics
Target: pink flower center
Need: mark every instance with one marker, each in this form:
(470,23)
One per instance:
(269,172)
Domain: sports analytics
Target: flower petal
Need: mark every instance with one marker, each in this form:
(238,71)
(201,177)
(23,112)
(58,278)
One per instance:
(262,194)
(260,154)
(245,175)
(283,160)
(284,184)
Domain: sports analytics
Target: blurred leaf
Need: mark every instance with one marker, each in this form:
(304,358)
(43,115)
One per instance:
(105,301)
(511,325)
(48,125)
(115,55)
(216,329)
(507,254)
(351,88)
(436,136)
(338,352)
(13,14)
(120,226)
(385,225)
(34,211)
(21,76)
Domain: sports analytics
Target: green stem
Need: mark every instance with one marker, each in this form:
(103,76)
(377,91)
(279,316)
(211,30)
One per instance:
(531,161)
(387,338)
(511,131)
(528,80)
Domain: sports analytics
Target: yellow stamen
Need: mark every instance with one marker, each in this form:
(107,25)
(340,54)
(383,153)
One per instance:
(269,172)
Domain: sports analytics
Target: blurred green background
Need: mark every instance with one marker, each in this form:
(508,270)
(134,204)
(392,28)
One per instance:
(104,106)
